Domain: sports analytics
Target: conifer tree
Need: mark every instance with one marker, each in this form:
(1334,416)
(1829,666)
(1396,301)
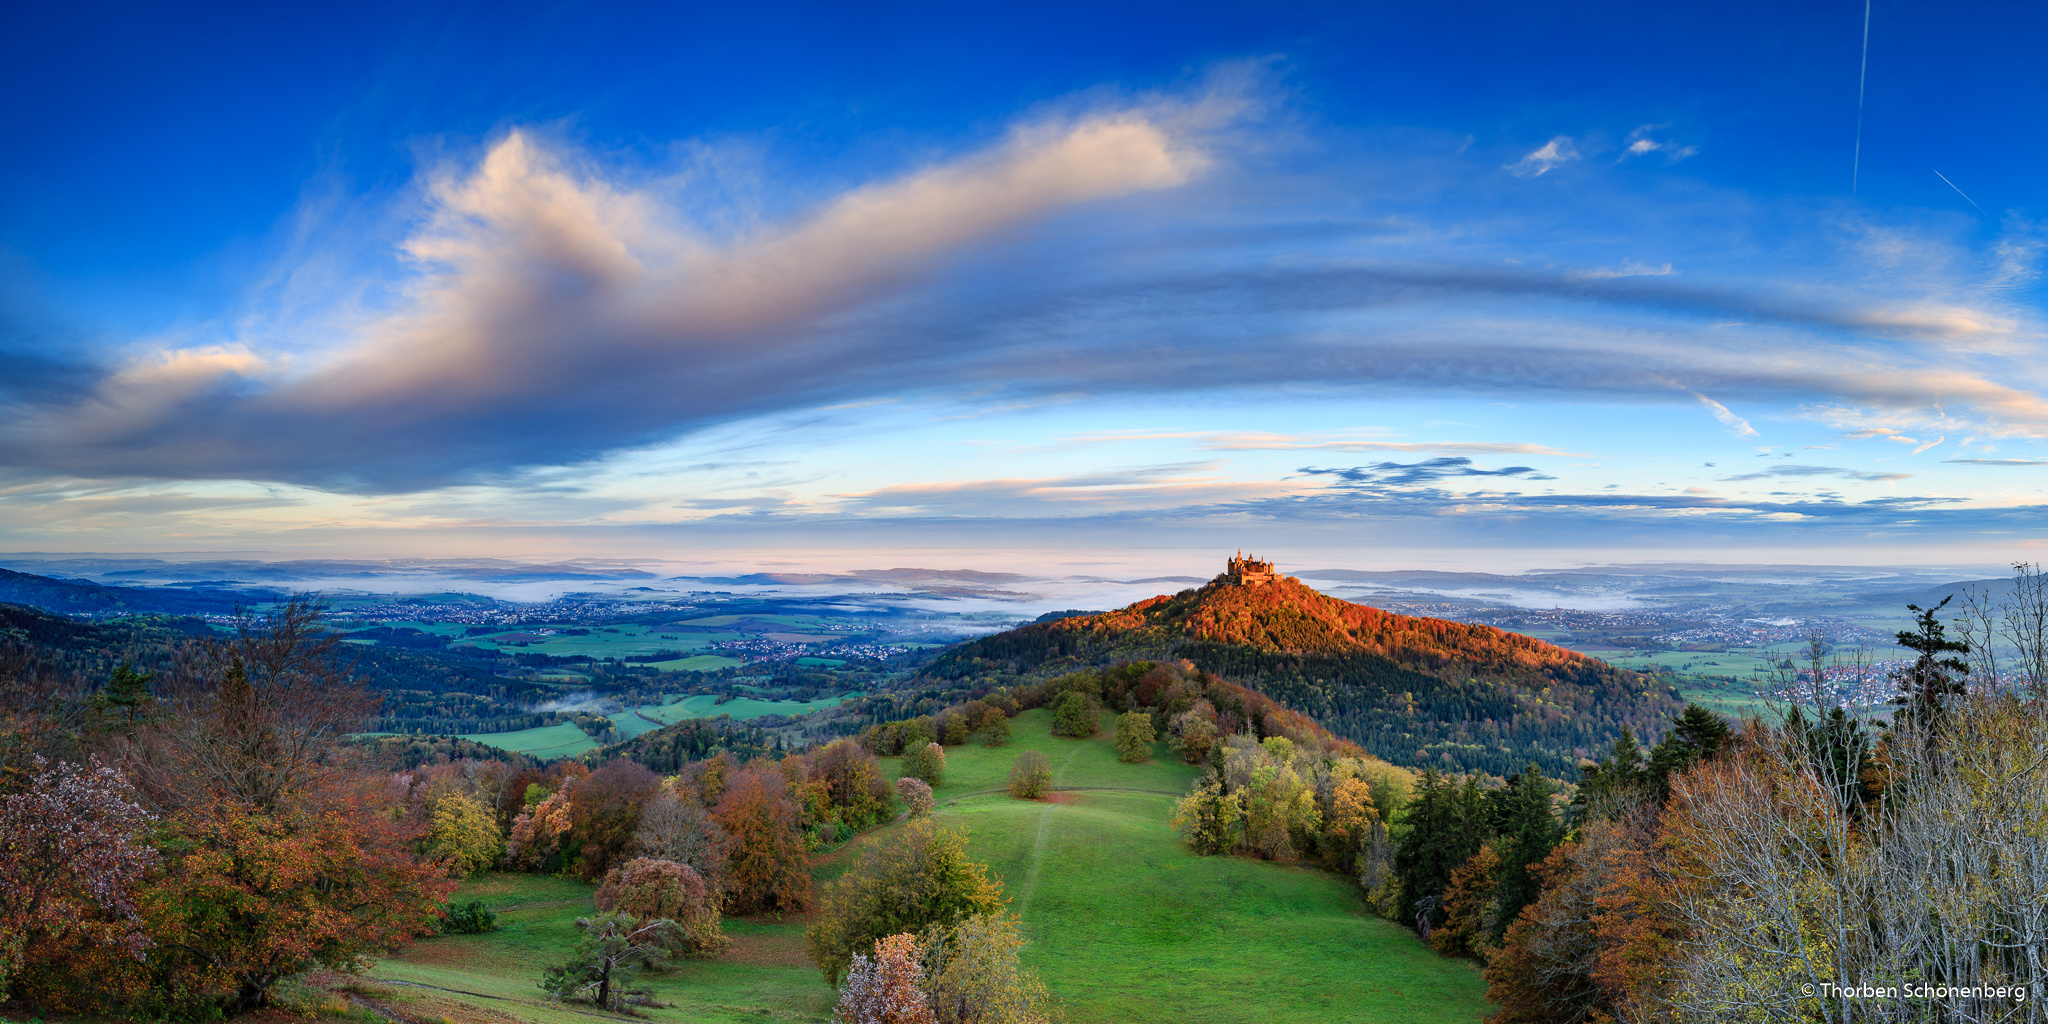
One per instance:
(1926,686)
(1531,833)
(1695,736)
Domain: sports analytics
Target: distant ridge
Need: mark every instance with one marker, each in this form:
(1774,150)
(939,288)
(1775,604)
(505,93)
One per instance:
(1412,690)
(84,597)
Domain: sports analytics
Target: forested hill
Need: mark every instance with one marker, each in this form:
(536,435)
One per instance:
(1412,690)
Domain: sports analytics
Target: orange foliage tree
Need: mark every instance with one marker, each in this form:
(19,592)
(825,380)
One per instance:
(769,868)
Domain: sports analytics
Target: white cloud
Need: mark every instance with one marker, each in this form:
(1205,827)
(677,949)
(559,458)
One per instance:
(1639,143)
(1629,268)
(1736,425)
(1559,150)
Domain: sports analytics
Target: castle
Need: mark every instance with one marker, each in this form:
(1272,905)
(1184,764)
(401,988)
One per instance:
(1249,572)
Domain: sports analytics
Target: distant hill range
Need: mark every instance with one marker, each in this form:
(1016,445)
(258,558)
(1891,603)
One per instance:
(86,598)
(1412,690)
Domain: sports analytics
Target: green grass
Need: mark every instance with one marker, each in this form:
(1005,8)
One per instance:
(565,740)
(1125,924)
(562,740)
(1082,763)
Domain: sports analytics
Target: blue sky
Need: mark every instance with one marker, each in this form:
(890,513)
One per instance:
(1375,285)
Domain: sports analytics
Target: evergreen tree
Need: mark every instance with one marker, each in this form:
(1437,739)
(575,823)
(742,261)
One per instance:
(1696,735)
(1932,679)
(1531,833)
(1839,750)
(1446,823)
(126,696)
(1614,783)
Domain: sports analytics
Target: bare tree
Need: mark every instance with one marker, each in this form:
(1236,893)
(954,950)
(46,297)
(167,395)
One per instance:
(257,718)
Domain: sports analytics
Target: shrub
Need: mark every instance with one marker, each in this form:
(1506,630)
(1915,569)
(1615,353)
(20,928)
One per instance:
(470,918)
(998,730)
(927,762)
(917,797)
(1134,737)
(654,890)
(1074,714)
(922,879)
(1030,775)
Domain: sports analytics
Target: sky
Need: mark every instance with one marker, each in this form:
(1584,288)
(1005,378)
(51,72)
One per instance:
(1484,286)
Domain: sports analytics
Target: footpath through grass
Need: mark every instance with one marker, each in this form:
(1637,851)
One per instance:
(1125,923)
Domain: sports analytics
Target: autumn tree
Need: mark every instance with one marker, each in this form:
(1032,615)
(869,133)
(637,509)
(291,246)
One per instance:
(916,796)
(1351,815)
(1209,820)
(71,853)
(1030,775)
(276,857)
(538,832)
(887,988)
(655,890)
(920,879)
(972,975)
(604,814)
(1134,737)
(769,868)
(464,835)
(1471,911)
(677,826)
(927,762)
(1193,732)
(855,788)
(253,896)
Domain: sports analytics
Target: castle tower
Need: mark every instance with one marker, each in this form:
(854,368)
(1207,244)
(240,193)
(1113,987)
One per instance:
(1246,571)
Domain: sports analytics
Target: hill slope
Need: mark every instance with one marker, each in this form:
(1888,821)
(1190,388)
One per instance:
(1412,690)
(1126,925)
(84,597)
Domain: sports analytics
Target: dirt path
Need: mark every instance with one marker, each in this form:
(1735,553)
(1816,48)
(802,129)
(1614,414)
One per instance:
(387,1012)
(1037,858)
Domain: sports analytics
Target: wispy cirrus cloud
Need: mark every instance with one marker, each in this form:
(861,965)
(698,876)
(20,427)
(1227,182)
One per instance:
(1430,471)
(1793,471)
(1545,158)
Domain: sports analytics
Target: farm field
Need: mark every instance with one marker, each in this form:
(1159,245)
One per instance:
(566,740)
(1125,923)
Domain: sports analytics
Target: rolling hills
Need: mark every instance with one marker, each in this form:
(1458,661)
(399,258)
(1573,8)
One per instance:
(1411,690)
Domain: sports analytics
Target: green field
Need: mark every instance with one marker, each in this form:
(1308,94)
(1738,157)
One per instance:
(1125,923)
(566,740)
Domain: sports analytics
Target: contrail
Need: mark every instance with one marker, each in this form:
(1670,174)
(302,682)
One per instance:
(1960,192)
(1856,162)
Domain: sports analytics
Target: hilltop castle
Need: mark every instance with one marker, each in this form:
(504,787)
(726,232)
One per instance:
(1249,572)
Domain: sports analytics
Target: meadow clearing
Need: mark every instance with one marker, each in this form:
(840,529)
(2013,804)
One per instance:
(1125,923)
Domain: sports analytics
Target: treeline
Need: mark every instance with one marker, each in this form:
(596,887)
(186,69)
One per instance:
(1813,866)
(668,749)
(175,843)
(1807,867)
(1415,691)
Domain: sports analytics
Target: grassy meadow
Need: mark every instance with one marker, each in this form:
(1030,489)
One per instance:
(1125,924)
